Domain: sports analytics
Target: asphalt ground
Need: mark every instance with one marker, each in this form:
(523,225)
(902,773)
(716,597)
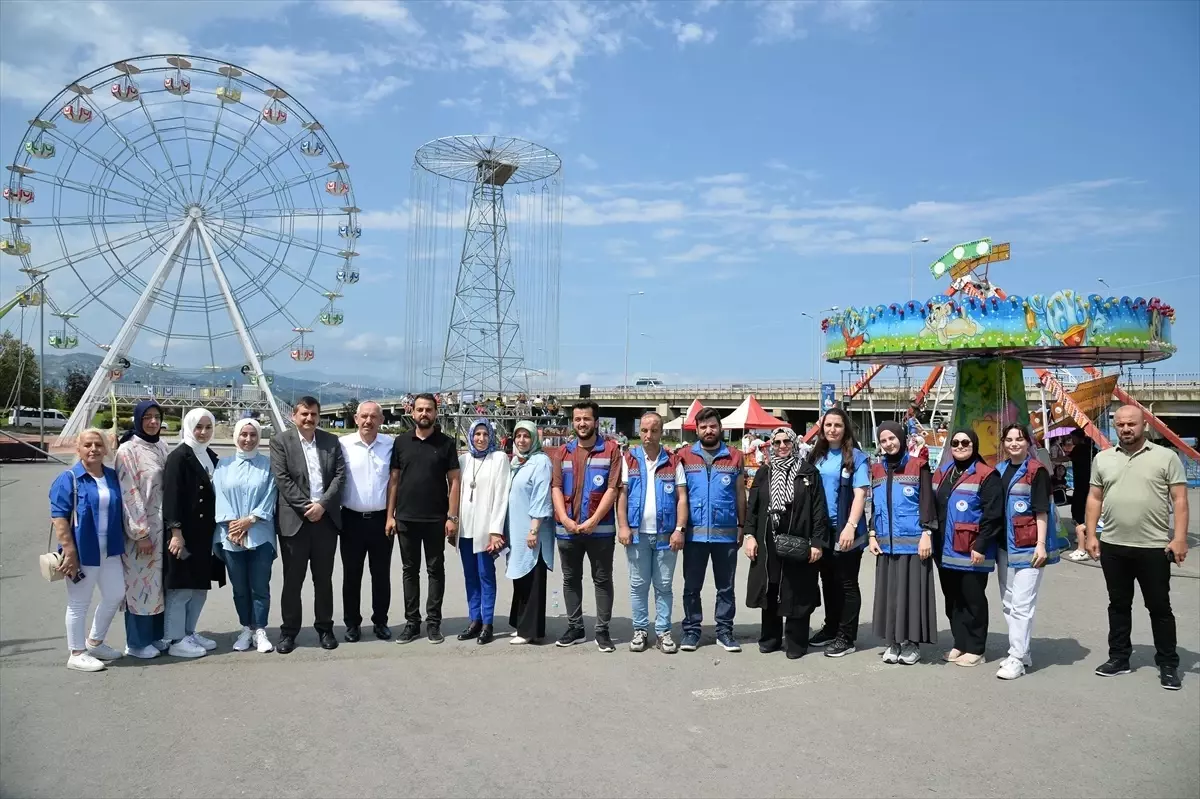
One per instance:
(378,719)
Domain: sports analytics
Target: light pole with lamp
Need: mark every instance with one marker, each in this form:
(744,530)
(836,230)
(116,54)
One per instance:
(817,342)
(651,339)
(1104,283)
(911,266)
(628,313)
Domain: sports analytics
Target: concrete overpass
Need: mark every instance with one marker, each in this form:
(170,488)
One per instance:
(1173,397)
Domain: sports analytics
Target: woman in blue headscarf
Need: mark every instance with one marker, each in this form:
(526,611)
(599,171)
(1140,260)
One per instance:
(141,459)
(483,506)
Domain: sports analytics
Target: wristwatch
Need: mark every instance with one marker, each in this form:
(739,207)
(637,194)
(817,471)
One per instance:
(452,519)
(680,530)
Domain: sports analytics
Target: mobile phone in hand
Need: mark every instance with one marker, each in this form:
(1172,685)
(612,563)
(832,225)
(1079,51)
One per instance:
(79,575)
(1170,555)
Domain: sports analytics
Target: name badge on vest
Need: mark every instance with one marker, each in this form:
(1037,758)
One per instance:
(961,505)
(669,488)
(845,474)
(1020,506)
(726,479)
(909,491)
(598,480)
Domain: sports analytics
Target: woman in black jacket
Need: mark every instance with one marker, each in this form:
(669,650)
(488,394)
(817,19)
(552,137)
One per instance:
(787,499)
(188,526)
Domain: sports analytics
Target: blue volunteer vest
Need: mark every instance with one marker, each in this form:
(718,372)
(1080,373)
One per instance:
(712,494)
(963,512)
(898,533)
(1019,516)
(845,499)
(593,485)
(664,494)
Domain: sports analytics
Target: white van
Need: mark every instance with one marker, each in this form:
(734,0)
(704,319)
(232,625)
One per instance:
(32,418)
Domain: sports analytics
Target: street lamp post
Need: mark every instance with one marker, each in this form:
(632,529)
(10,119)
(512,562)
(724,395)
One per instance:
(911,266)
(814,318)
(628,313)
(651,338)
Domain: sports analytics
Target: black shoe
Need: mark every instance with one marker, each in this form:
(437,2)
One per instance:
(328,641)
(485,635)
(472,631)
(767,649)
(1168,677)
(839,648)
(434,633)
(382,632)
(823,638)
(353,634)
(573,635)
(792,654)
(1112,667)
(410,633)
(604,642)
(286,644)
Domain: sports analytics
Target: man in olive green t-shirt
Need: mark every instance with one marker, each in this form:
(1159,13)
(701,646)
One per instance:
(1133,487)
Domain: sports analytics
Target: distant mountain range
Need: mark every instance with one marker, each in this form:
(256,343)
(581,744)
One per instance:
(335,389)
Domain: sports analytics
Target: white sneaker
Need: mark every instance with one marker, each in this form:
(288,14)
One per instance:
(84,662)
(103,651)
(891,654)
(910,653)
(517,640)
(187,649)
(243,640)
(263,642)
(162,644)
(638,644)
(208,643)
(144,653)
(1010,669)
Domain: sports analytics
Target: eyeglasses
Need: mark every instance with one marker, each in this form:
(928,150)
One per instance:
(784,443)
(961,443)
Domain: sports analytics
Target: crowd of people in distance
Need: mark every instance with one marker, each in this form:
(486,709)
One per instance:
(159,528)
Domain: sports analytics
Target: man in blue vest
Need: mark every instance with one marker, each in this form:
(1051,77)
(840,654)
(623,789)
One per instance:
(716,488)
(652,513)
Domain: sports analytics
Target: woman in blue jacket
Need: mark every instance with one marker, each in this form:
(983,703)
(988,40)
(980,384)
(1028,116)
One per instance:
(901,538)
(85,511)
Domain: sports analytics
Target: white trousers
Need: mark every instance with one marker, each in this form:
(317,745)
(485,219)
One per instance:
(1018,595)
(110,576)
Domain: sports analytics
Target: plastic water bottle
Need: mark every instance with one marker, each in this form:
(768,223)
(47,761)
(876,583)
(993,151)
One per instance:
(554,603)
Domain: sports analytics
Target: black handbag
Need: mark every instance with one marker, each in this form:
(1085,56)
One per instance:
(790,547)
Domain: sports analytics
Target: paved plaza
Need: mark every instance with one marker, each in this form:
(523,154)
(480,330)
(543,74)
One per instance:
(378,719)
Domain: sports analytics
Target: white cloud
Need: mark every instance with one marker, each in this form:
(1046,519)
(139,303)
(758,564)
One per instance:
(389,13)
(780,20)
(729,177)
(691,33)
(698,252)
(728,195)
(374,343)
(383,88)
(622,210)
(586,161)
(704,6)
(668,233)
(460,102)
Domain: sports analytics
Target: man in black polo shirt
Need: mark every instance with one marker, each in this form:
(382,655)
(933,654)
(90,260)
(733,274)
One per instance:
(422,491)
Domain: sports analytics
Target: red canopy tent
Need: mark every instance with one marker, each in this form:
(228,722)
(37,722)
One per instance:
(751,416)
(688,420)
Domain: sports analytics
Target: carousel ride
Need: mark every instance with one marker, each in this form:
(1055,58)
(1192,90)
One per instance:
(186,216)
(989,337)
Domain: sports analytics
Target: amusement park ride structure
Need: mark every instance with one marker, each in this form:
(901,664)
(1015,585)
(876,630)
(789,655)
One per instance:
(987,337)
(220,216)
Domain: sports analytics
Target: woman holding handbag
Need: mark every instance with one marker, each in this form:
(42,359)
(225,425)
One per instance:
(85,511)
(189,519)
(141,458)
(787,527)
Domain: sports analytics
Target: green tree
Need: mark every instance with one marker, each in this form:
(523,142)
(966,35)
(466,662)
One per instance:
(18,361)
(75,384)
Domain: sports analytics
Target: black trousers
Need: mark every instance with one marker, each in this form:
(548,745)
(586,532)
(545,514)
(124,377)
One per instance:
(315,544)
(528,613)
(776,633)
(1148,566)
(966,608)
(432,537)
(599,551)
(839,587)
(364,539)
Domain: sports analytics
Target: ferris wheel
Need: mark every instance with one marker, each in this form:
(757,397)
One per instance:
(186,214)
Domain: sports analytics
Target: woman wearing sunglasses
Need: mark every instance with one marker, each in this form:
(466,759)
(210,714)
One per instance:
(786,500)
(846,480)
(1029,543)
(902,541)
(970,508)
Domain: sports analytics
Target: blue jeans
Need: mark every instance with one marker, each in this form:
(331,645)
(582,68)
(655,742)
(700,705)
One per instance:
(250,577)
(142,631)
(648,564)
(480,573)
(183,612)
(695,566)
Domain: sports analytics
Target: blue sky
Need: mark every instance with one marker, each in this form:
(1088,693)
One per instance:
(740,162)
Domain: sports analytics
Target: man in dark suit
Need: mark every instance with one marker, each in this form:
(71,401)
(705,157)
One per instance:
(309,473)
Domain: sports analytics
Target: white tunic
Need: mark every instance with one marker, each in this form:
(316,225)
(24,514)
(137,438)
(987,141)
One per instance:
(482,509)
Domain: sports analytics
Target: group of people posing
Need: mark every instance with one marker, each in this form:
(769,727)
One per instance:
(158,530)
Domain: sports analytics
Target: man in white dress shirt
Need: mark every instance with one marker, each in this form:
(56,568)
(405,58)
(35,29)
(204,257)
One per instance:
(368,456)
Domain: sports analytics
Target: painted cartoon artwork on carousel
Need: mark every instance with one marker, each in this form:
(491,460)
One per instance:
(975,317)
(989,395)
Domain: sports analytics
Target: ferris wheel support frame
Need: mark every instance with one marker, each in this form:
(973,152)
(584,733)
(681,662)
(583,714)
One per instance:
(97,390)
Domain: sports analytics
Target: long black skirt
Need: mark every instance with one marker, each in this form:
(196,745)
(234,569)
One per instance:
(905,599)
(528,612)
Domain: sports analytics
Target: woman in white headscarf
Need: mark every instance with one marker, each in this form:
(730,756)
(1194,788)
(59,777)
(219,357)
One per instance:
(188,521)
(245,535)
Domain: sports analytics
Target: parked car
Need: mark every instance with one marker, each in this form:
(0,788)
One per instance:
(648,382)
(53,418)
